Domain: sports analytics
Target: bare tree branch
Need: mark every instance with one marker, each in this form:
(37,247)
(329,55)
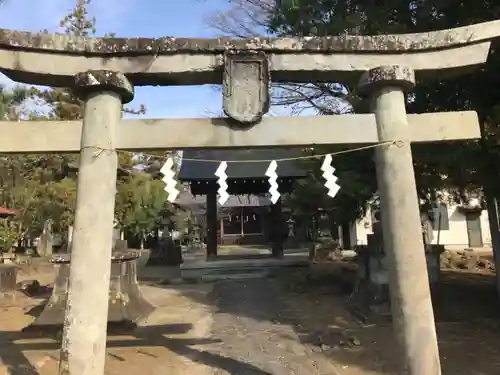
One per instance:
(250,18)
(244,18)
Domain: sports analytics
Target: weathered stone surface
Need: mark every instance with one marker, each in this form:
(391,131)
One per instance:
(411,305)
(177,134)
(246,87)
(54,60)
(393,75)
(167,45)
(93,81)
(125,303)
(83,350)
(464,260)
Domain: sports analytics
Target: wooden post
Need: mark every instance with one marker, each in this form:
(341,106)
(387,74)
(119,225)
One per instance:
(411,304)
(83,349)
(221,230)
(212,222)
(277,228)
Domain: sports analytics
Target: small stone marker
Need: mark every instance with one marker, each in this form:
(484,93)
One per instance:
(8,278)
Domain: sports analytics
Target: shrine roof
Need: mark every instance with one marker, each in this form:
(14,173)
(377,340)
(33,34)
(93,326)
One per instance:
(192,170)
(5,212)
(197,203)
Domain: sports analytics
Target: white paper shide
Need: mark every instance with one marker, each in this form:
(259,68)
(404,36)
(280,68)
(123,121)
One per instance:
(328,175)
(170,183)
(273,181)
(222,182)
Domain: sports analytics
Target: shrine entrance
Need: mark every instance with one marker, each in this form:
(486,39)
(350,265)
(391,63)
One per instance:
(242,223)
(245,177)
(103,73)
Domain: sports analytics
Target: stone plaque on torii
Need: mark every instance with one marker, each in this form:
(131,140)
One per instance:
(104,72)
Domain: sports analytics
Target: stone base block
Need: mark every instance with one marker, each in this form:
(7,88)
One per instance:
(370,303)
(126,303)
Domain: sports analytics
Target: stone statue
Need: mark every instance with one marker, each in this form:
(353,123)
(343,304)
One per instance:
(427,231)
(291,227)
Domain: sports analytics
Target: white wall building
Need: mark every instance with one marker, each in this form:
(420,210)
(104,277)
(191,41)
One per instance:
(461,227)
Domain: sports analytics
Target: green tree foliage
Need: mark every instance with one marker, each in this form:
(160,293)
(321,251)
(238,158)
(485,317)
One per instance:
(34,203)
(357,187)
(8,234)
(184,222)
(42,187)
(140,203)
(454,166)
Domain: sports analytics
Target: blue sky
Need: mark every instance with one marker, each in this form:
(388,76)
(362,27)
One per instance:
(153,18)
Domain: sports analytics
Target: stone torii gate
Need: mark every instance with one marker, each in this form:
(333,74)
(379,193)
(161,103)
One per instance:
(104,71)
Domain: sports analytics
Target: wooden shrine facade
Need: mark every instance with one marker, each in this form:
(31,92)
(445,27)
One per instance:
(241,221)
(244,220)
(244,178)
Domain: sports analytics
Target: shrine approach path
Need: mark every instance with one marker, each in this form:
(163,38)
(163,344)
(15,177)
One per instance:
(257,326)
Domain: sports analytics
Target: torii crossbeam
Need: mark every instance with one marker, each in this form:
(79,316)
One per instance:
(182,134)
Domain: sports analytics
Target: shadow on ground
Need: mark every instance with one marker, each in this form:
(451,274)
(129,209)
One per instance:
(466,309)
(11,350)
(312,305)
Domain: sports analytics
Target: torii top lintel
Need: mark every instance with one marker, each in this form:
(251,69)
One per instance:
(53,59)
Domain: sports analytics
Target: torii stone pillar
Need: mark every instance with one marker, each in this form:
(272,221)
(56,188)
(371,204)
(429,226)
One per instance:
(411,304)
(83,348)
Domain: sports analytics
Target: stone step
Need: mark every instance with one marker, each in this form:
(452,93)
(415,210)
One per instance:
(237,269)
(228,271)
(246,263)
(223,272)
(239,276)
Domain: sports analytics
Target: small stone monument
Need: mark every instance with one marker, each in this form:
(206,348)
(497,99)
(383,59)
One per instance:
(119,244)
(8,280)
(46,240)
(432,252)
(370,300)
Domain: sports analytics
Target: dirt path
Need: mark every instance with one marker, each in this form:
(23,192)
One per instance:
(282,325)
(250,323)
(233,327)
(169,342)
(468,326)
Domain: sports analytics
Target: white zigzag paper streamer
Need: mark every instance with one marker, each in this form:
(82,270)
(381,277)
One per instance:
(328,175)
(221,173)
(170,184)
(273,177)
